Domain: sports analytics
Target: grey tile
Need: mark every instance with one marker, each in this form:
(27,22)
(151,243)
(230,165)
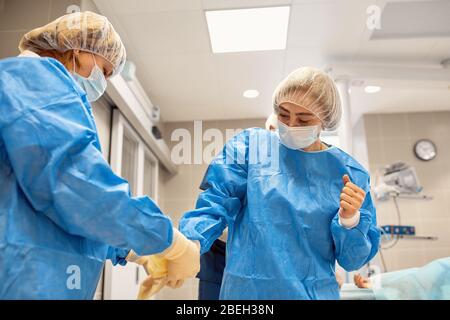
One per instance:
(10,43)
(372,126)
(437,208)
(252,123)
(438,228)
(434,253)
(441,122)
(397,149)
(24,14)
(60,7)
(410,258)
(394,125)
(443,147)
(409,210)
(375,150)
(432,176)
(421,125)
(170,130)
(179,186)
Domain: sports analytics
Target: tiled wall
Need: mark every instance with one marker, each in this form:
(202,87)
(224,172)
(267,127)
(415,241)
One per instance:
(390,138)
(17,17)
(178,193)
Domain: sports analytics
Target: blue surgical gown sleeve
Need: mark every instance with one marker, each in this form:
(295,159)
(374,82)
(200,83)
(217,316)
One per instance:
(356,246)
(225,186)
(117,256)
(52,145)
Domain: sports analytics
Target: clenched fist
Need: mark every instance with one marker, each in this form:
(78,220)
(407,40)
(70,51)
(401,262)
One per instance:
(352,198)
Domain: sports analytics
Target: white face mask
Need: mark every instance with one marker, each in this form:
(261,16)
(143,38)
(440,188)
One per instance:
(298,137)
(95,85)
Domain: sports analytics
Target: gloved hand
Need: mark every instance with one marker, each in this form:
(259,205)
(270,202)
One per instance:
(153,265)
(156,269)
(351,199)
(180,261)
(183,259)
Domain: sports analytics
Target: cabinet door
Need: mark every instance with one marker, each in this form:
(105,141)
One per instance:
(102,112)
(132,160)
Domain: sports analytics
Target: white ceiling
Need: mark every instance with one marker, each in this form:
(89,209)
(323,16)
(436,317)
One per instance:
(169,42)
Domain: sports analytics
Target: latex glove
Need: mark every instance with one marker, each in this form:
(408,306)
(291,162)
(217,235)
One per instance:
(150,287)
(156,269)
(351,199)
(154,266)
(183,259)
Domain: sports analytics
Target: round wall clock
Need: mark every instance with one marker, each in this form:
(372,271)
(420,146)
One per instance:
(425,150)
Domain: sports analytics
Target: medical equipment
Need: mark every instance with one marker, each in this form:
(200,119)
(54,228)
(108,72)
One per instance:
(399,230)
(397,179)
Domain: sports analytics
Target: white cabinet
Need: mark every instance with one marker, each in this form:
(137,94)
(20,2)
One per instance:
(132,160)
(102,112)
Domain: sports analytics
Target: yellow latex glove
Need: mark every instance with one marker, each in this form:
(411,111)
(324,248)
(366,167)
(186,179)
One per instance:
(183,259)
(172,266)
(156,269)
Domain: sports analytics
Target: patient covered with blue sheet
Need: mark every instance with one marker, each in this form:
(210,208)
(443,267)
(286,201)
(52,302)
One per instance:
(430,282)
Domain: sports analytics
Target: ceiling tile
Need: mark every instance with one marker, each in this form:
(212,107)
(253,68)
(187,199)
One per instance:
(122,7)
(301,57)
(238,72)
(171,48)
(168,32)
(238,4)
(336,27)
(178,83)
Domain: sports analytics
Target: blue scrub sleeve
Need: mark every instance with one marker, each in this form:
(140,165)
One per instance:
(117,256)
(356,246)
(56,158)
(225,189)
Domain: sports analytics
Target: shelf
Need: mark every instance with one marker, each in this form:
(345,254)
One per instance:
(407,237)
(414,197)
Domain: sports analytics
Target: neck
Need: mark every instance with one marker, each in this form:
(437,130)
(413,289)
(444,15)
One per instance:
(316,146)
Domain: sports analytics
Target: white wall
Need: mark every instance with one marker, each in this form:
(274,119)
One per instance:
(17,17)
(390,138)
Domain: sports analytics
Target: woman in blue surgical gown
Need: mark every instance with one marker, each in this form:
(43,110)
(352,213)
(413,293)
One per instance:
(62,210)
(293,205)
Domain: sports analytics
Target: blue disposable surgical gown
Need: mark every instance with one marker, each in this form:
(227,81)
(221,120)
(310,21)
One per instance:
(281,207)
(62,210)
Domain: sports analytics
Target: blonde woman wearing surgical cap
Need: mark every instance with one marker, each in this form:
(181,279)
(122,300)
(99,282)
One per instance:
(63,211)
(293,204)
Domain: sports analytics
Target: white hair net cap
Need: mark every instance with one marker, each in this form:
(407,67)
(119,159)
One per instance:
(84,31)
(313,90)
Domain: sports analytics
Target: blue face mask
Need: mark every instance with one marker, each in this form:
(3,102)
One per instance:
(94,85)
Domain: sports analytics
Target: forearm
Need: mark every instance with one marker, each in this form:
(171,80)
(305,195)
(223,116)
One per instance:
(355,246)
